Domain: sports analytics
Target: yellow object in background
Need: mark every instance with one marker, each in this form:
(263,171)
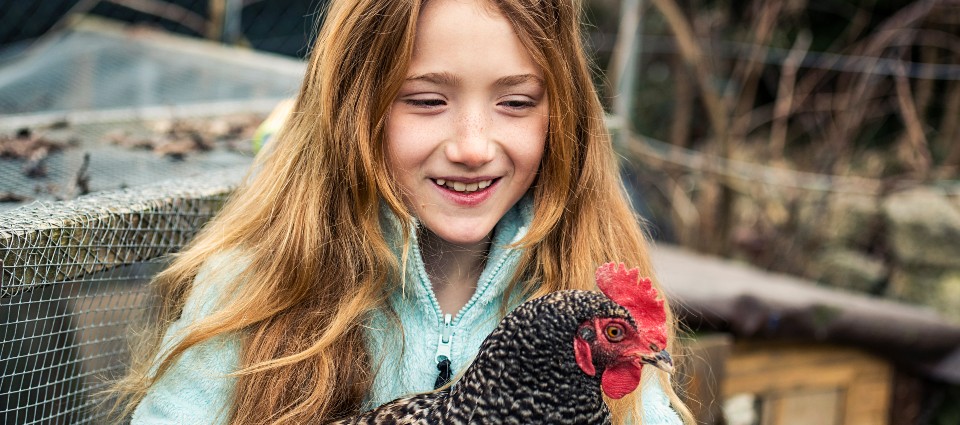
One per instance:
(271,125)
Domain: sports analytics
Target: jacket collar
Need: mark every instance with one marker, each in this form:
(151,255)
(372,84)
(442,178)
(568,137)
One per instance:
(496,273)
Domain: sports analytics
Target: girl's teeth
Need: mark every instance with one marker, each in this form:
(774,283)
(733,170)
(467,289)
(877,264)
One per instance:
(465,187)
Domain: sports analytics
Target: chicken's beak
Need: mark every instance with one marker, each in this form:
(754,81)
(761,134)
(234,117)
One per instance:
(661,360)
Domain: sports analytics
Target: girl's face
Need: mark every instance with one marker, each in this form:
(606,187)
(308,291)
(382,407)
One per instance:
(465,135)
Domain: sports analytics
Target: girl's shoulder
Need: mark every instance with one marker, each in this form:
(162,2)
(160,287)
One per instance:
(198,386)
(211,284)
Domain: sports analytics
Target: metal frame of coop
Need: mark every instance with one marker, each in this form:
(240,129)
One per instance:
(73,281)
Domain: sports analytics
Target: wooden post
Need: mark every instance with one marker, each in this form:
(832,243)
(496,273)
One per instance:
(811,383)
(623,66)
(216,11)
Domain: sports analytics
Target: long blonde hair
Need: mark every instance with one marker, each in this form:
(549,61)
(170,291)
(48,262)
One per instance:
(308,219)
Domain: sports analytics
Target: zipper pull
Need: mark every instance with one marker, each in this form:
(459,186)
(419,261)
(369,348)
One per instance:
(443,353)
(443,347)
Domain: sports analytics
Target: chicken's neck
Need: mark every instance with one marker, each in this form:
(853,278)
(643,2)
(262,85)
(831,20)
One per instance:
(527,366)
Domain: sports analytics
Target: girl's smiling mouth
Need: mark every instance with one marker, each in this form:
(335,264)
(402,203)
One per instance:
(466,185)
(466,192)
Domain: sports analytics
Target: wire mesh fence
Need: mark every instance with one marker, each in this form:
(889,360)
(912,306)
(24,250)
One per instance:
(90,104)
(101,107)
(73,281)
(97,64)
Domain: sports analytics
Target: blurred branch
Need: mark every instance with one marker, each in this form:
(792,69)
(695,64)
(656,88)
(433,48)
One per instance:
(169,11)
(858,23)
(783,106)
(871,50)
(684,97)
(80,8)
(747,71)
(686,212)
(924,91)
(623,62)
(217,9)
(914,149)
(818,60)
(927,37)
(661,154)
(950,128)
(818,105)
(717,224)
(692,54)
(850,113)
(890,29)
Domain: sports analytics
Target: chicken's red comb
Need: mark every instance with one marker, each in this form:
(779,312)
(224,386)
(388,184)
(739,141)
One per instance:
(638,296)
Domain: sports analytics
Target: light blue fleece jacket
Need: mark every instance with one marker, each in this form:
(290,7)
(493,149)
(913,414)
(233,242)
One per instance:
(196,390)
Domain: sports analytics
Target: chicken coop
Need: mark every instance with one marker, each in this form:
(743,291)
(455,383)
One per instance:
(103,106)
(117,142)
(768,349)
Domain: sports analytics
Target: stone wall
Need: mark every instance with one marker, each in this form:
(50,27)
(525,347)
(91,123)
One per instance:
(905,245)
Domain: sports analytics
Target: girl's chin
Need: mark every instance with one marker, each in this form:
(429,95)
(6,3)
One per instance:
(459,233)
(465,240)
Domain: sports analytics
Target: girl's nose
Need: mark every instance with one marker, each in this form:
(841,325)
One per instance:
(473,146)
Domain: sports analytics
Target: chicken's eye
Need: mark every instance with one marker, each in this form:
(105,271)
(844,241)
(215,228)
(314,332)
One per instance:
(614,333)
(653,347)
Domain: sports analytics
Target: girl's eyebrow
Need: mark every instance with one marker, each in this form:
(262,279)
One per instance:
(516,80)
(438,78)
(451,80)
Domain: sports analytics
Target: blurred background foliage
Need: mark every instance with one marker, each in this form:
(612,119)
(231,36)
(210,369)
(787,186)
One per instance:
(819,138)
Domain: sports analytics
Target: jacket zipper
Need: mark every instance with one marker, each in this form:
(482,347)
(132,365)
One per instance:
(443,353)
(445,343)
(443,348)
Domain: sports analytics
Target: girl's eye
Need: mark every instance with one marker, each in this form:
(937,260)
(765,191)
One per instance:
(518,104)
(425,103)
(614,333)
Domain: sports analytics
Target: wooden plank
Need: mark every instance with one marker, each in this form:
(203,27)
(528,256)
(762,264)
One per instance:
(852,319)
(790,379)
(796,381)
(805,408)
(753,357)
(868,402)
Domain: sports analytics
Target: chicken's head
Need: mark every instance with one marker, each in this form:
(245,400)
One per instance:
(614,344)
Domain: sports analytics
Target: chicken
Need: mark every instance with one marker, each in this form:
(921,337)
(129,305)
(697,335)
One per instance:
(549,359)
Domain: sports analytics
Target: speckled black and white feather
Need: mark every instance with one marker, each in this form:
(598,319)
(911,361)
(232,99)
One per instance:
(525,372)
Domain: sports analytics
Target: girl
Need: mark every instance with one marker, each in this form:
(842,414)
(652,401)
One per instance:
(444,161)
